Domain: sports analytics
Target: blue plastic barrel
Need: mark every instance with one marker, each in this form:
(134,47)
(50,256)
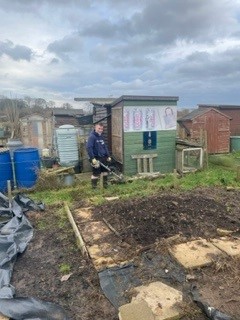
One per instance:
(27,165)
(6,172)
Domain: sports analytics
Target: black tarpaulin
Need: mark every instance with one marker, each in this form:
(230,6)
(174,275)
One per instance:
(15,234)
(211,312)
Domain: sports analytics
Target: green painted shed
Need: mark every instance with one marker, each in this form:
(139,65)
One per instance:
(144,133)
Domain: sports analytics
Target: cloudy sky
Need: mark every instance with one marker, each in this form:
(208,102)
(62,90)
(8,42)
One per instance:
(61,49)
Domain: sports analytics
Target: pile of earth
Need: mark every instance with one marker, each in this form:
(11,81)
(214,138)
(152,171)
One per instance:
(191,214)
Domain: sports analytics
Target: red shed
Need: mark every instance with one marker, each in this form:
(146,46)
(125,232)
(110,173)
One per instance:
(233,111)
(208,123)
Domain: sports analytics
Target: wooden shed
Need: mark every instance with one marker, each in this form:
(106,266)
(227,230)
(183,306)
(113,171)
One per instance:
(210,126)
(232,111)
(102,113)
(144,133)
(62,116)
(37,130)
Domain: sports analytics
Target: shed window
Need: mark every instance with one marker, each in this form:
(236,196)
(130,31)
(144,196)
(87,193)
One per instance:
(149,140)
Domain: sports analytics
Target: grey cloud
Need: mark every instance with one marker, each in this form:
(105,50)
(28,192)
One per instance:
(16,52)
(34,5)
(68,44)
(166,21)
(102,29)
(201,65)
(54,61)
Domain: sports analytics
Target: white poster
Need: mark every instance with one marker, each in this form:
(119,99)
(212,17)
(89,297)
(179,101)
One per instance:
(152,118)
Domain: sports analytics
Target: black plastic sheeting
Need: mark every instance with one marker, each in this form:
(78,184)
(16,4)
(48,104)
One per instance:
(163,267)
(15,234)
(212,313)
(116,281)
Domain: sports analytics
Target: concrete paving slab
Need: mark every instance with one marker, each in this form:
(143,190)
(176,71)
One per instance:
(135,311)
(161,299)
(230,246)
(93,231)
(103,255)
(99,260)
(195,254)
(85,214)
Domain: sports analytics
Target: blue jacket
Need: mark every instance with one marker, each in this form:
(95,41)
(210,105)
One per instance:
(96,147)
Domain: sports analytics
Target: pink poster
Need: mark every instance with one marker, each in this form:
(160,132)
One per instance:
(126,120)
(137,119)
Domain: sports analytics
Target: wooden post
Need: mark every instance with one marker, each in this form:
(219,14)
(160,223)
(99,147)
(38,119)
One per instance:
(139,167)
(9,189)
(145,165)
(206,148)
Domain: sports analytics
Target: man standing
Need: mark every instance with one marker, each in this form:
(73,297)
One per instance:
(98,152)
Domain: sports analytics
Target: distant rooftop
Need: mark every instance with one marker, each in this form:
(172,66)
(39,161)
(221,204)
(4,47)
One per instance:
(95,100)
(69,112)
(197,112)
(219,106)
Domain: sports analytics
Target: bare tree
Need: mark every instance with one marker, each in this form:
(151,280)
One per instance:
(13,116)
(67,105)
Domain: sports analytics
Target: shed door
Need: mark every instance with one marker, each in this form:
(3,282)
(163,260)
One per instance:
(117,129)
(217,134)
(37,134)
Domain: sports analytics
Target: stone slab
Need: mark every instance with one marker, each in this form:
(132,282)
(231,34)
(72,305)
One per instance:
(195,254)
(161,299)
(103,255)
(99,260)
(230,247)
(135,311)
(85,214)
(93,231)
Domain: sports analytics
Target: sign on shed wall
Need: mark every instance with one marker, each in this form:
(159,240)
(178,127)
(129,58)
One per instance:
(149,118)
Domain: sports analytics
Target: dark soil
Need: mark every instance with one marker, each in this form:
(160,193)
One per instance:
(145,224)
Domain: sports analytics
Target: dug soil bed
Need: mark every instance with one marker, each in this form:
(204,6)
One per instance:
(145,223)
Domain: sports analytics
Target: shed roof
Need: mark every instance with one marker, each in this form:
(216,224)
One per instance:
(198,112)
(143,98)
(34,114)
(67,112)
(99,101)
(219,106)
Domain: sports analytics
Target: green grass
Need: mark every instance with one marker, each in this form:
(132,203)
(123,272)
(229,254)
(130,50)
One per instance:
(222,171)
(64,268)
(50,197)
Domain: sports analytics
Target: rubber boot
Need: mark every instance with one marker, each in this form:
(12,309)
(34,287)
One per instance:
(105,182)
(94,183)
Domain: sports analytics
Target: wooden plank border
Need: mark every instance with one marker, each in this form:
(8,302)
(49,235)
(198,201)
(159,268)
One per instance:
(80,242)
